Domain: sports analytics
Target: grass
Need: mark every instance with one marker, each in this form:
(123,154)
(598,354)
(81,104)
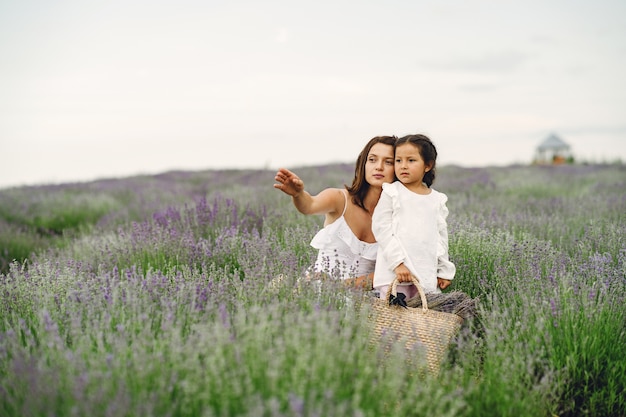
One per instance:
(158,301)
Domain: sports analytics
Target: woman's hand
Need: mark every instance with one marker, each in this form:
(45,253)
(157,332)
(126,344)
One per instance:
(402,273)
(443,283)
(288,182)
(363,282)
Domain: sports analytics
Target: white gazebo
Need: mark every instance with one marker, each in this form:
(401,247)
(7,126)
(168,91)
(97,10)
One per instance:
(553,150)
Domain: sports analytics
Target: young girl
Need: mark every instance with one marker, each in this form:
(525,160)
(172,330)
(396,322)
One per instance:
(409,223)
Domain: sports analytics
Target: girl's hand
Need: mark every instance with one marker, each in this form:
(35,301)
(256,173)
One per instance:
(443,283)
(288,182)
(402,273)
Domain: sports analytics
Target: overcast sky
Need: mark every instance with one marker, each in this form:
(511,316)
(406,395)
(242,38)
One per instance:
(95,89)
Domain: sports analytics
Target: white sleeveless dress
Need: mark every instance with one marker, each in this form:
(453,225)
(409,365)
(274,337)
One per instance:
(340,253)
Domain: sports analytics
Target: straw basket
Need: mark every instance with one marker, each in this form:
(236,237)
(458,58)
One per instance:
(417,327)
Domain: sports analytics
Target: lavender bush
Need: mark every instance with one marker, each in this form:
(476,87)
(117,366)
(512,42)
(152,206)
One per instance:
(158,296)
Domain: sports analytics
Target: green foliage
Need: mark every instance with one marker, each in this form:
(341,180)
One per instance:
(586,339)
(17,245)
(183,294)
(53,212)
(32,220)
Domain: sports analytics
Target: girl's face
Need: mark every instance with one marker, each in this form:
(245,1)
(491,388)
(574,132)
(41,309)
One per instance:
(379,165)
(409,165)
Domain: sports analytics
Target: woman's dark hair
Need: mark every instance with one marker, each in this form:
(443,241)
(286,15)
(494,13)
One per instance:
(427,151)
(359,186)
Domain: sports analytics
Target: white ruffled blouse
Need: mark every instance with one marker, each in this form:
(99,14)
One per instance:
(411,228)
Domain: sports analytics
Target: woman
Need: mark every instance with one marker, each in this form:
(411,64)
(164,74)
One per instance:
(346,245)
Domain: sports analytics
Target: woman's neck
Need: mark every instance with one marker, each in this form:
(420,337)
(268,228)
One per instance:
(371,198)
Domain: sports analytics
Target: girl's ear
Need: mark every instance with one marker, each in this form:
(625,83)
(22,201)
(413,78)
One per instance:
(428,167)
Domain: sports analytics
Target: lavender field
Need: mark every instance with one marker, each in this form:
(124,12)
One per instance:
(150,296)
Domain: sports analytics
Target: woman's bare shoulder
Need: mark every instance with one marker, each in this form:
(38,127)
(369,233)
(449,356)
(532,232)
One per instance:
(332,199)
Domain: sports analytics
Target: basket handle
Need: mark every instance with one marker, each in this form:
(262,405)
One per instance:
(420,290)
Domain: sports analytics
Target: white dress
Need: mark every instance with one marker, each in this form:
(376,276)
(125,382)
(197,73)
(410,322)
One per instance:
(411,228)
(340,253)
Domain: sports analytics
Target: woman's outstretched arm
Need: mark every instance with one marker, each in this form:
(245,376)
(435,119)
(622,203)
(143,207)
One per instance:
(327,201)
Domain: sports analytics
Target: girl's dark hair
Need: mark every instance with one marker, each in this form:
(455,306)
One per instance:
(427,151)
(359,186)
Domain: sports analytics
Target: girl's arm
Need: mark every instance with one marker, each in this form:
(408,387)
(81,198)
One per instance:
(445,268)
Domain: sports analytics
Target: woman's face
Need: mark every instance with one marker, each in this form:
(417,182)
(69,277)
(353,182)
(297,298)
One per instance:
(379,167)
